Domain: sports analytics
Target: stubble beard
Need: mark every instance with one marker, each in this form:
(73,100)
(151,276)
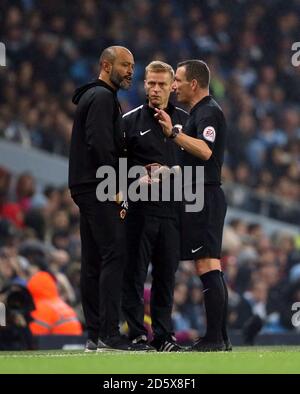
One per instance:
(119,81)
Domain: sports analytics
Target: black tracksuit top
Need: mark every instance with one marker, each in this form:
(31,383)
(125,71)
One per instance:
(97,138)
(146,143)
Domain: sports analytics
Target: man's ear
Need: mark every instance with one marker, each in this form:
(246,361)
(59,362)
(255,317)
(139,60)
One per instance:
(194,84)
(106,66)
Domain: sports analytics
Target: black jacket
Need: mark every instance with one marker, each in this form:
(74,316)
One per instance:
(147,144)
(97,139)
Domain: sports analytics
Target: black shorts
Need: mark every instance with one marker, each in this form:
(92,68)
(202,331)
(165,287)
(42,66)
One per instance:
(201,232)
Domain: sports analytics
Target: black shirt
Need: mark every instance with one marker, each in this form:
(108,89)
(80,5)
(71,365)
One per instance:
(147,144)
(97,138)
(207,122)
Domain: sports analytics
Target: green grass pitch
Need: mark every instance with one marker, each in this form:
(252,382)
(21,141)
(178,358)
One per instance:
(274,360)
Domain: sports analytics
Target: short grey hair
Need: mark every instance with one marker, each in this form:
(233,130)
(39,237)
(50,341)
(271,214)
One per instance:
(110,54)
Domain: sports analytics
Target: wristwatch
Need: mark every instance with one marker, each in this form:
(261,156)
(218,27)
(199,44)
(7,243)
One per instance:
(175,131)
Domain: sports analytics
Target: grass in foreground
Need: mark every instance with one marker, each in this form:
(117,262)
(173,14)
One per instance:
(274,360)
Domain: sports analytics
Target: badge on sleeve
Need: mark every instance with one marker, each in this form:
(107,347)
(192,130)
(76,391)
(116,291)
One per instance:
(209,133)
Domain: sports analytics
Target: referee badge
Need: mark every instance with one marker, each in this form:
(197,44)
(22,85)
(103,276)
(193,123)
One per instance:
(123,213)
(209,133)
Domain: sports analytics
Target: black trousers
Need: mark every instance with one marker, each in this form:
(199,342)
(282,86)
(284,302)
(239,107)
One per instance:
(103,258)
(156,240)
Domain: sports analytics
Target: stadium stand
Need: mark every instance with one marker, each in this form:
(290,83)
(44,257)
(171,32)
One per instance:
(53,47)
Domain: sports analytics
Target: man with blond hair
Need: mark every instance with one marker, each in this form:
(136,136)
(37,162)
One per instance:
(152,226)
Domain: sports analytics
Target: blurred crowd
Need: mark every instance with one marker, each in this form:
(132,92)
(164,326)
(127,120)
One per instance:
(54,46)
(39,233)
(263,276)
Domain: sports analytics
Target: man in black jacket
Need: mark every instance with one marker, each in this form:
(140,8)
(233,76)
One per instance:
(203,141)
(97,140)
(152,226)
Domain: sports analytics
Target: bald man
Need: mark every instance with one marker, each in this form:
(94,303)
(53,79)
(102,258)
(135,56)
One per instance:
(97,140)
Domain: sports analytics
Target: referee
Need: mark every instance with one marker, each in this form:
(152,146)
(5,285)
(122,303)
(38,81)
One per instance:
(97,140)
(203,141)
(152,226)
